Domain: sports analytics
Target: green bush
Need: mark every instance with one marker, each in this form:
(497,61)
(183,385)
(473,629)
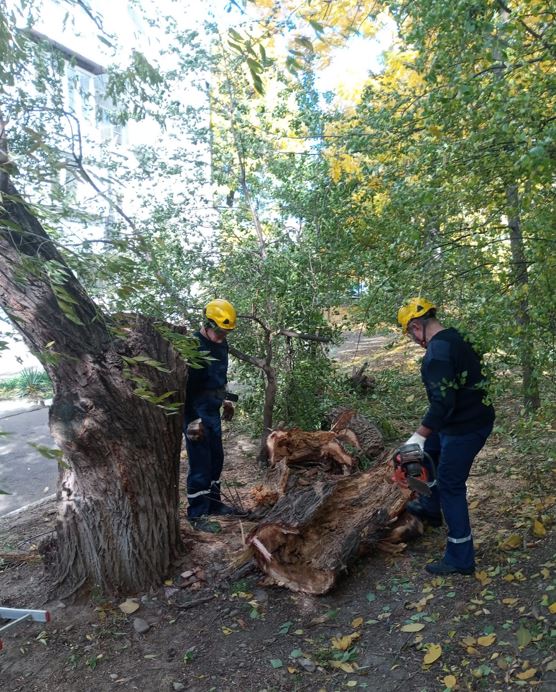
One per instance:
(31,383)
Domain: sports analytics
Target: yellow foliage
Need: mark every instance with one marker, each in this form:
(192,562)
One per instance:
(527,674)
(343,643)
(539,529)
(487,640)
(343,164)
(434,652)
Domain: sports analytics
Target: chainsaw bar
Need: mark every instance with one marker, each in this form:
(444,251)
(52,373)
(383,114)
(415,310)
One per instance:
(419,486)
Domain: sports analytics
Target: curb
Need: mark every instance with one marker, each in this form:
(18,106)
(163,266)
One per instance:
(30,505)
(20,412)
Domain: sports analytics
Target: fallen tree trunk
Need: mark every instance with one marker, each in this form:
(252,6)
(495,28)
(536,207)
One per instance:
(310,536)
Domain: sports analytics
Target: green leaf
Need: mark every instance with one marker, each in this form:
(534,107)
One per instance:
(524,637)
(276,663)
(47,452)
(255,66)
(305,42)
(236,35)
(317,26)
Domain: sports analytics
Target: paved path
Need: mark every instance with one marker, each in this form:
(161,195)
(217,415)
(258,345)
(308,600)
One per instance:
(357,345)
(24,473)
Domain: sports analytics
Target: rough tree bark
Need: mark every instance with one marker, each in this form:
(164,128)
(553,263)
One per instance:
(117,525)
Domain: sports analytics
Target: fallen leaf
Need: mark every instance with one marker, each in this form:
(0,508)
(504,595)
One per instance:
(450,681)
(469,641)
(226,631)
(509,601)
(129,606)
(551,665)
(343,643)
(357,622)
(527,674)
(523,637)
(276,663)
(483,578)
(168,582)
(346,667)
(351,683)
(292,670)
(419,605)
(487,640)
(512,542)
(413,627)
(552,608)
(474,504)
(434,652)
(538,529)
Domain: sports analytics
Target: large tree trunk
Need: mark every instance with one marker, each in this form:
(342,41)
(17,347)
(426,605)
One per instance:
(117,523)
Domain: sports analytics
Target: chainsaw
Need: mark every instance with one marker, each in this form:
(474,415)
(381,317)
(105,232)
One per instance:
(410,471)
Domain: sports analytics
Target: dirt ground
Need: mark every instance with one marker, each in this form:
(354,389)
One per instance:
(387,625)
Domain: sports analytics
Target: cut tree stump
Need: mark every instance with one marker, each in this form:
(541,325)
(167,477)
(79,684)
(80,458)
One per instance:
(298,458)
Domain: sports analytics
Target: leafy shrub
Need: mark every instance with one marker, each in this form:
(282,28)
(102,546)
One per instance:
(31,383)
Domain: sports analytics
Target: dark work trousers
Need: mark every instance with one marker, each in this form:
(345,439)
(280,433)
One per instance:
(453,456)
(206,458)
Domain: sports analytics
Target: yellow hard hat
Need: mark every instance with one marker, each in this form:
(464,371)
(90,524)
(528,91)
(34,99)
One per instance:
(417,307)
(222,313)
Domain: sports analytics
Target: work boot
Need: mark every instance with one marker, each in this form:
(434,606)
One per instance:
(441,568)
(205,524)
(414,507)
(219,509)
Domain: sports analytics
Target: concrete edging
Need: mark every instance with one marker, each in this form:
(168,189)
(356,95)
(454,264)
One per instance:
(30,505)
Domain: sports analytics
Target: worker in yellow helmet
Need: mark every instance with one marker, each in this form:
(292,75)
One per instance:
(453,430)
(205,396)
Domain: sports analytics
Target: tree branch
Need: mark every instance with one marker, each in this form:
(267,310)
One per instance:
(257,362)
(305,337)
(551,49)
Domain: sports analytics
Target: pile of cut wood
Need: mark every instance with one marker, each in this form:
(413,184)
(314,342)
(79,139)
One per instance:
(322,510)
